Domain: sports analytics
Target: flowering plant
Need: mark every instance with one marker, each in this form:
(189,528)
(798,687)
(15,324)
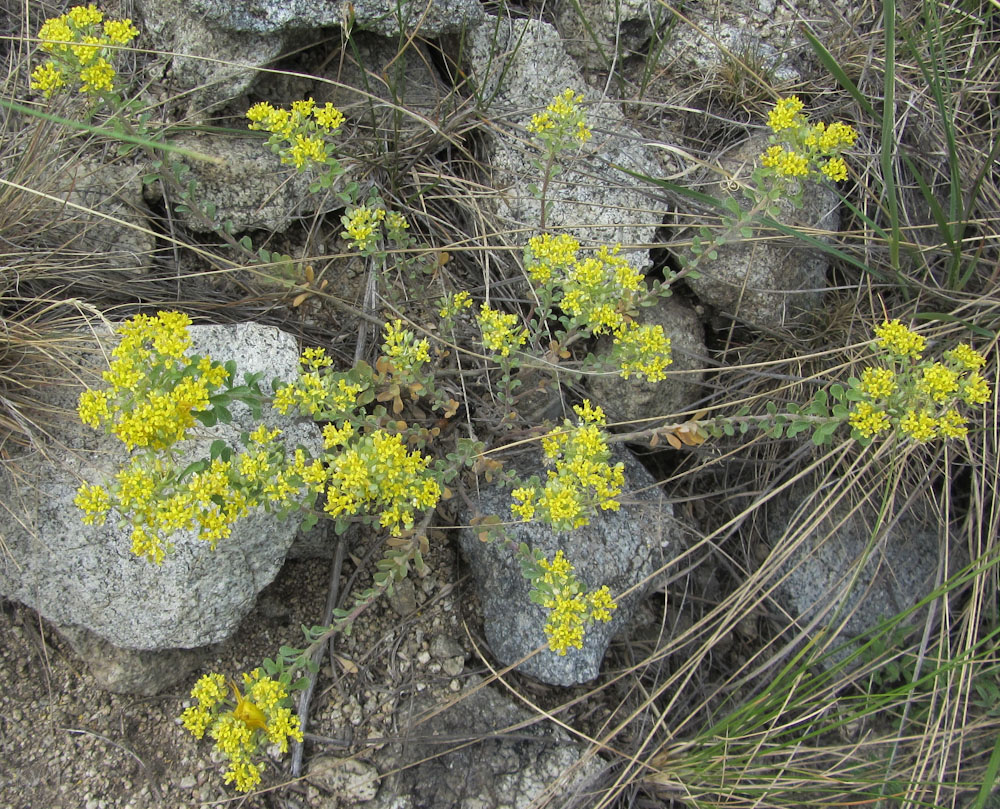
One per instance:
(80,45)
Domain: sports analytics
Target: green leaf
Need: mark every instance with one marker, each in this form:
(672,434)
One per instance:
(207,417)
(732,205)
(223,414)
(246,243)
(746,233)
(217,448)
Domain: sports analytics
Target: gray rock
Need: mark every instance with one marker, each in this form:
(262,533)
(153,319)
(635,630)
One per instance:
(349,780)
(633,399)
(838,573)
(248,185)
(514,765)
(619,549)
(768,285)
(127,671)
(87,576)
(271,17)
(100,210)
(208,63)
(708,39)
(519,66)
(600,33)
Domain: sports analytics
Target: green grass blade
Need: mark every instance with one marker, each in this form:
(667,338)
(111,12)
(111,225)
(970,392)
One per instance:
(833,66)
(146,143)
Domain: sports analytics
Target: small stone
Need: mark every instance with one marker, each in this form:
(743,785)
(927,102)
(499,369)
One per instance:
(445,646)
(453,666)
(424,657)
(349,779)
(187,782)
(404,599)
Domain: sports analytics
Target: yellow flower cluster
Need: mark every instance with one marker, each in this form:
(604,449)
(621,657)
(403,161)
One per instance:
(598,293)
(80,51)
(366,225)
(562,123)
(155,389)
(799,149)
(573,609)
(451,305)
(375,473)
(298,134)
(403,349)
(582,478)
(500,332)
(244,724)
(642,350)
(900,341)
(918,398)
(209,501)
(316,393)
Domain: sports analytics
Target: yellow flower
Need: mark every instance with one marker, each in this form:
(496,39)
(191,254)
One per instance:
(47,78)
(868,420)
(920,426)
(878,383)
(95,502)
(120,32)
(938,382)
(451,305)
(975,390)
(56,35)
(835,168)
(499,331)
(952,425)
(329,117)
(899,340)
(793,165)
(642,350)
(965,356)
(97,77)
(785,114)
(82,16)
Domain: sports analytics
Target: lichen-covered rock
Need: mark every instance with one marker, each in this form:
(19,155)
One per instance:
(633,399)
(839,569)
(519,66)
(207,63)
(439,767)
(769,284)
(248,185)
(387,17)
(600,33)
(87,576)
(619,549)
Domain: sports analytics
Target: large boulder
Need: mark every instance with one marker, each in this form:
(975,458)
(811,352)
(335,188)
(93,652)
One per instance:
(620,549)
(846,574)
(247,184)
(216,46)
(87,577)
